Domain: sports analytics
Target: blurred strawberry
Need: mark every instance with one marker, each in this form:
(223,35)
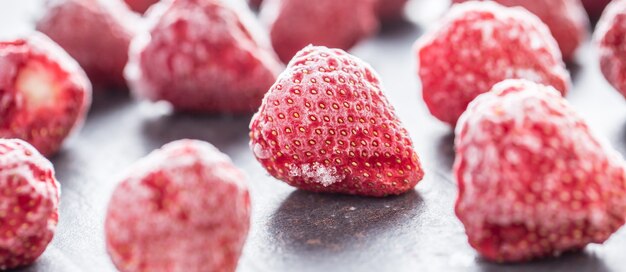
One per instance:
(140,6)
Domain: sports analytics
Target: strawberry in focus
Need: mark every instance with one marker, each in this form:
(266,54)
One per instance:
(97,33)
(326,126)
(44,94)
(295,24)
(201,56)
(29,200)
(534,181)
(479,44)
(184,207)
(566,19)
(610,36)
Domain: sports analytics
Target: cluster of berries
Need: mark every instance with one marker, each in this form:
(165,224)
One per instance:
(534,181)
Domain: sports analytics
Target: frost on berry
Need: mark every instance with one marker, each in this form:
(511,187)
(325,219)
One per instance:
(45,94)
(610,35)
(479,44)
(201,56)
(326,126)
(97,33)
(566,19)
(29,199)
(184,207)
(534,181)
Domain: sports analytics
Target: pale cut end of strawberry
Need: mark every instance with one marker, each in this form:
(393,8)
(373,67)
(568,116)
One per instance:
(38,84)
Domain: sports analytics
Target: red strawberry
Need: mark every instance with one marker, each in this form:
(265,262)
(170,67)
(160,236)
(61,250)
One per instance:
(29,200)
(479,44)
(140,5)
(295,24)
(326,126)
(96,33)
(184,207)
(566,19)
(533,180)
(610,36)
(44,95)
(390,10)
(595,7)
(200,56)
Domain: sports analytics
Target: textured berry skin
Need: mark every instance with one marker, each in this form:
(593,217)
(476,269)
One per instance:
(295,24)
(140,6)
(184,207)
(479,44)
(567,20)
(326,126)
(96,33)
(610,36)
(29,200)
(533,180)
(595,7)
(199,56)
(44,94)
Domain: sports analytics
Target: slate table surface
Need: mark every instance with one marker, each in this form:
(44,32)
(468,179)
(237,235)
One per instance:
(295,230)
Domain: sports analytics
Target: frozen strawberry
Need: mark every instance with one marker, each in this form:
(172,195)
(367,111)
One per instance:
(96,33)
(595,7)
(44,95)
(610,37)
(479,44)
(184,207)
(295,24)
(140,5)
(29,200)
(533,180)
(201,56)
(566,19)
(326,126)
(390,10)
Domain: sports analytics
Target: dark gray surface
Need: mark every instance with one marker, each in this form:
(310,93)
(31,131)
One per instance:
(299,231)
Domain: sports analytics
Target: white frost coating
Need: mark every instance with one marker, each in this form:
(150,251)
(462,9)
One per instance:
(316,172)
(261,153)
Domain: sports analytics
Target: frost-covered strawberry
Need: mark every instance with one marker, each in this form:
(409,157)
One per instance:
(184,207)
(610,36)
(326,126)
(201,56)
(295,24)
(29,200)
(44,94)
(96,33)
(534,181)
(479,44)
(566,19)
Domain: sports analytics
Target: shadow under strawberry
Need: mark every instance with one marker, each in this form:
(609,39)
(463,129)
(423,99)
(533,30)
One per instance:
(336,229)
(575,261)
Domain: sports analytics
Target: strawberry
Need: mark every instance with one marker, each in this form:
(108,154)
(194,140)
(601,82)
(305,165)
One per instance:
(326,126)
(29,201)
(295,24)
(534,181)
(97,33)
(479,44)
(140,6)
(184,207)
(566,19)
(44,95)
(201,56)
(609,36)
(595,7)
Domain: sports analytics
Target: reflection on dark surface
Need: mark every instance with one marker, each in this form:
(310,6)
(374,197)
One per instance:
(579,261)
(221,131)
(445,150)
(323,224)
